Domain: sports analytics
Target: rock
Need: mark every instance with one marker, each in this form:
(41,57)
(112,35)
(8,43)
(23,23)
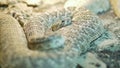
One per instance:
(52,2)
(28,2)
(20,11)
(7,2)
(110,45)
(116,7)
(96,6)
(89,60)
(33,2)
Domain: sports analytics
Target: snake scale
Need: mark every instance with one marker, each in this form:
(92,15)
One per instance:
(83,28)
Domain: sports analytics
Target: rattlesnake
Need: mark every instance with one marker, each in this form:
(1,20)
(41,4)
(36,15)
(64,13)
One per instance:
(14,52)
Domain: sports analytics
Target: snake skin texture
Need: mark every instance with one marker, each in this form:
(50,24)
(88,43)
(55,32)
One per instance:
(14,52)
(39,25)
(84,28)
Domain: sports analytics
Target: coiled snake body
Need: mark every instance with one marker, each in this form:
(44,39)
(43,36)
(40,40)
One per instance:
(14,52)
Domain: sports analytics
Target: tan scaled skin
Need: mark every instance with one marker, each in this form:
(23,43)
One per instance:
(14,52)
